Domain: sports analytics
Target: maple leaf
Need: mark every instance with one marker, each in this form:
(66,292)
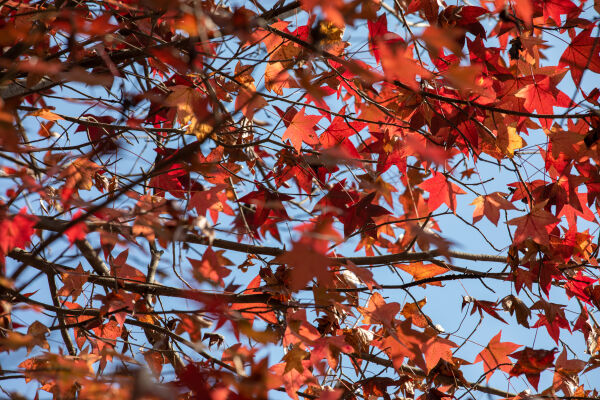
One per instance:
(414,311)
(565,373)
(301,129)
(422,350)
(213,200)
(260,310)
(565,142)
(121,270)
(481,306)
(155,361)
(555,8)
(390,151)
(38,331)
(109,332)
(398,64)
(193,325)
(490,206)
(542,95)
(535,225)
(329,348)
(405,342)
(577,286)
(211,267)
(293,380)
(77,231)
(118,304)
(73,282)
(553,327)
(266,203)
(378,32)
(277,78)
(435,349)
(420,271)
(364,274)
(175,177)
(338,132)
(15,232)
(582,53)
(495,355)
(102,139)
(361,214)
(293,359)
(379,312)
(441,191)
(531,363)
(305,263)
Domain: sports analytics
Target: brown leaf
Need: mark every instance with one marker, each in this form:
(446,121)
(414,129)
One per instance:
(73,282)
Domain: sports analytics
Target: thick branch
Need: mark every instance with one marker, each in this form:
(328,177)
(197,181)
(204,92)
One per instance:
(57,225)
(145,288)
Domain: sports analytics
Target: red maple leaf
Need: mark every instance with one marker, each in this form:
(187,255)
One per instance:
(378,32)
(305,263)
(102,139)
(553,327)
(534,225)
(582,53)
(555,8)
(361,214)
(77,231)
(531,363)
(435,349)
(339,131)
(441,192)
(542,95)
(252,310)
(481,306)
(294,380)
(337,199)
(213,200)
(15,232)
(266,203)
(390,151)
(301,129)
(565,373)
(576,286)
(495,355)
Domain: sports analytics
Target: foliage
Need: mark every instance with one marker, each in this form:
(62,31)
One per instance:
(188,186)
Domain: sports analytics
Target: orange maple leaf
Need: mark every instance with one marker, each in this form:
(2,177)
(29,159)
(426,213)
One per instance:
(495,355)
(301,129)
(379,312)
(490,206)
(211,267)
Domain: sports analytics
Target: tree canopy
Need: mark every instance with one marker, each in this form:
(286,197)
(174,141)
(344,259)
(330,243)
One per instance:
(343,199)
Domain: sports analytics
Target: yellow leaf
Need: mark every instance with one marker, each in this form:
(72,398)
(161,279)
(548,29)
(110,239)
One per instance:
(509,140)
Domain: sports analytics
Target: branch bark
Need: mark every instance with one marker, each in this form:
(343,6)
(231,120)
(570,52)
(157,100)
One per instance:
(57,225)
